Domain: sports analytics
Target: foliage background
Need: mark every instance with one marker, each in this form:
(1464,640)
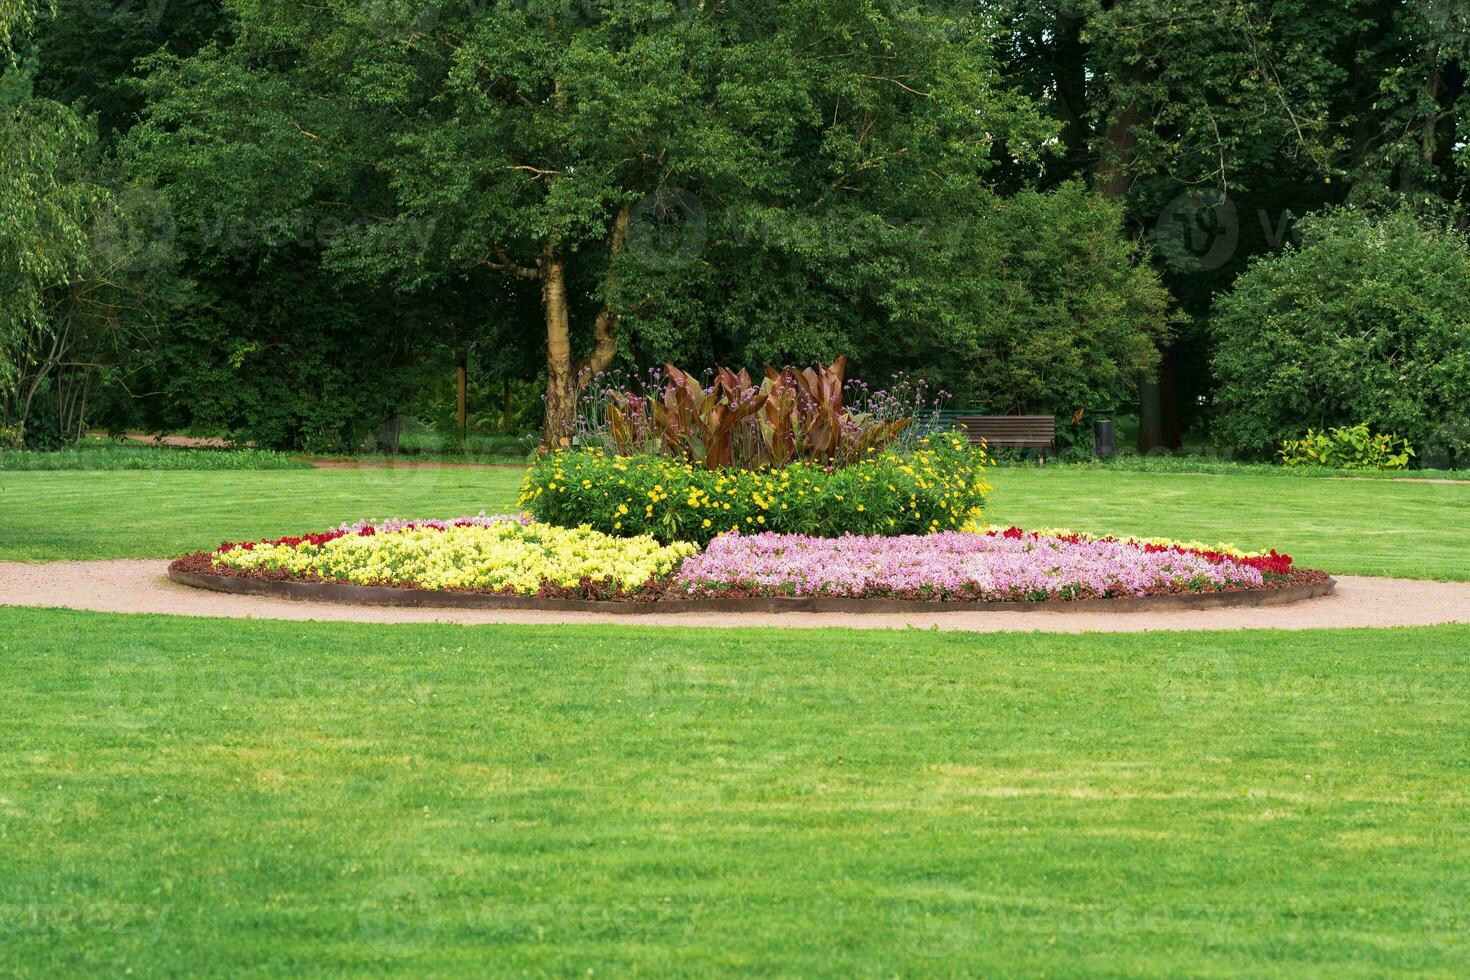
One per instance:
(289,223)
(1367,321)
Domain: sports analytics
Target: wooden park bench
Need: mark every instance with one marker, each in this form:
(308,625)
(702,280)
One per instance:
(1037,432)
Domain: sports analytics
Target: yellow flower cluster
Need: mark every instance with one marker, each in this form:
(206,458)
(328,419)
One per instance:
(939,485)
(499,556)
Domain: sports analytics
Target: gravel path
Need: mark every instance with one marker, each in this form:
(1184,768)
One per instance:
(143,587)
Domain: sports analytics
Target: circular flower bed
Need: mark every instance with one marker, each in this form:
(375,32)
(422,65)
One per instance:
(513,556)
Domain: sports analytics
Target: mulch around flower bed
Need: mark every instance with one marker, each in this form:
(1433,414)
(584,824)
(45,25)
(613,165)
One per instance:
(199,570)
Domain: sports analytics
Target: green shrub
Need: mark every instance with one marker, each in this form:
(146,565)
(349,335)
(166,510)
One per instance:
(939,486)
(1368,319)
(93,456)
(1348,447)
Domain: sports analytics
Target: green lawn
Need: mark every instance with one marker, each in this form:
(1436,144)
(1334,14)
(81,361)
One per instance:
(226,798)
(156,513)
(1360,527)
(1370,527)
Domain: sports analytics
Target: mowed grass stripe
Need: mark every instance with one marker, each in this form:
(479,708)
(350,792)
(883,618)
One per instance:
(153,514)
(230,798)
(1370,527)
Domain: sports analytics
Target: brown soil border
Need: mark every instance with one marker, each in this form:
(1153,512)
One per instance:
(387,596)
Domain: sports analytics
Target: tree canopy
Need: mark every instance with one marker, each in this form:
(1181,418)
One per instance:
(1034,203)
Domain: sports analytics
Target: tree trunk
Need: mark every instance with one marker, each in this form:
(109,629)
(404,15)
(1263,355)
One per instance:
(461,370)
(1429,135)
(1070,79)
(1158,399)
(565,379)
(560,384)
(1364,74)
(605,327)
(1115,159)
(1120,142)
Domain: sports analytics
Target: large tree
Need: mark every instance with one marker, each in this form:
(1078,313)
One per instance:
(60,275)
(591,152)
(1218,122)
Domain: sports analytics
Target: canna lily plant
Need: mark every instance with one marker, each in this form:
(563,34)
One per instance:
(793,415)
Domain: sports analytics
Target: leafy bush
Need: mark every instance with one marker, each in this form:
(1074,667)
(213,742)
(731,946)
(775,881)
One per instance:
(285,357)
(1368,319)
(91,456)
(939,486)
(1349,447)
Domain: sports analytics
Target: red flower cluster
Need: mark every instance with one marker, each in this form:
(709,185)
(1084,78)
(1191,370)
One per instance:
(1271,563)
(292,542)
(365,531)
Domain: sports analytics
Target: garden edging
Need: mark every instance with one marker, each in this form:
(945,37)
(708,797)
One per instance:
(389,596)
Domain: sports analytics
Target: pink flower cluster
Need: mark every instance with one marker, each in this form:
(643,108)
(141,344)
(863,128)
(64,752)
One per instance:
(951,564)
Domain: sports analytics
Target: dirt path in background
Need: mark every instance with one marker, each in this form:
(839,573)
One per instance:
(403,464)
(318,462)
(1396,479)
(176,442)
(132,586)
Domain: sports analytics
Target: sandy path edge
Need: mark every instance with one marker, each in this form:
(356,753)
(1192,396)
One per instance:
(142,586)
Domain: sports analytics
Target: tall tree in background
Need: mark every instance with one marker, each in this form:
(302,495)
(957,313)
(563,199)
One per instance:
(65,289)
(1219,122)
(562,148)
(550,146)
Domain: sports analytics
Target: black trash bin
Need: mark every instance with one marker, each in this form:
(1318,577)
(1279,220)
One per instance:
(1104,438)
